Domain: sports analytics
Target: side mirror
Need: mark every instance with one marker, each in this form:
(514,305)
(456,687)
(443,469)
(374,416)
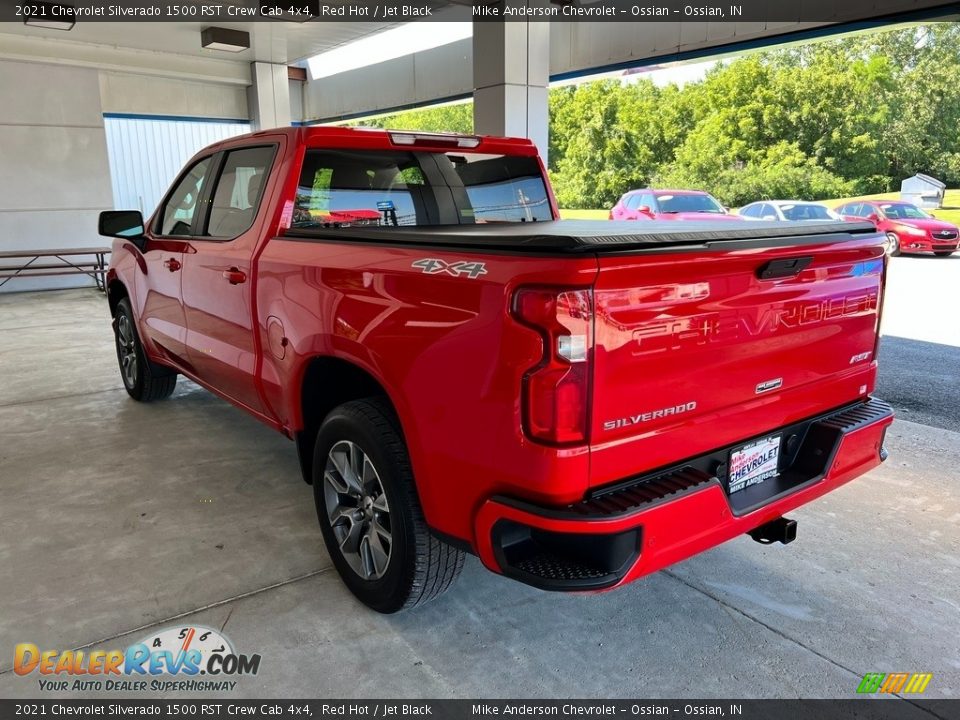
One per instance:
(124,224)
(873,217)
(769,217)
(645,209)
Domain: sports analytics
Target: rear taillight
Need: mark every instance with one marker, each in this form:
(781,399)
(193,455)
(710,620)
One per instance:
(556,392)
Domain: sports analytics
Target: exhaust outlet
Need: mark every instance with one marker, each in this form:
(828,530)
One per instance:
(782,530)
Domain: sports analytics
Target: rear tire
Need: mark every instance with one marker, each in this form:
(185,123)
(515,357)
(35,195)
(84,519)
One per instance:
(370,514)
(144,381)
(943,253)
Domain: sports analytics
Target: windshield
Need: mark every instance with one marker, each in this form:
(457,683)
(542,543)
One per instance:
(347,188)
(688,203)
(902,211)
(806,212)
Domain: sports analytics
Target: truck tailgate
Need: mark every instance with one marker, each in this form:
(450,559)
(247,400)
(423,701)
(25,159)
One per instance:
(698,350)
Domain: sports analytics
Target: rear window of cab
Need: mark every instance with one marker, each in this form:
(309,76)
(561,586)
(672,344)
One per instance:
(393,188)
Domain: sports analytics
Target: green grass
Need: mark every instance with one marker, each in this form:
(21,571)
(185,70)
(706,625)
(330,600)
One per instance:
(949,212)
(584,214)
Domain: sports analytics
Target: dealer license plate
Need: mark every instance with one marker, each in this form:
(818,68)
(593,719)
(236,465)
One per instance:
(753,463)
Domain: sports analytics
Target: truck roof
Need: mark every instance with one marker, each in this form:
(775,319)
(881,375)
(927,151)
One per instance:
(377,139)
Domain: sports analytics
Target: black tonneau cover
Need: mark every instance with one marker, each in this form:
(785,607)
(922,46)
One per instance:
(575,236)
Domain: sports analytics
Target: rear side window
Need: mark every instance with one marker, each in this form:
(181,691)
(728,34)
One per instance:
(238,192)
(181,204)
(399,188)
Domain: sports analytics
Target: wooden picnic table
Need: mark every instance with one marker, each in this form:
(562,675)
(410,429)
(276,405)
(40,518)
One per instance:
(31,263)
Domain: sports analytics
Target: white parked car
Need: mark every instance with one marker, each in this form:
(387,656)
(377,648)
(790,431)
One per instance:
(787,210)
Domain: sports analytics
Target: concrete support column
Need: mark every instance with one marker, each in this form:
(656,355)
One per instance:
(511,71)
(269,96)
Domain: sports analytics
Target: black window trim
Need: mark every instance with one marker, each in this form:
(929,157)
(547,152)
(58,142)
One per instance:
(157,228)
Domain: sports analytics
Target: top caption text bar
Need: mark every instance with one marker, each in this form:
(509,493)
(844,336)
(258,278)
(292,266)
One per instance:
(392,11)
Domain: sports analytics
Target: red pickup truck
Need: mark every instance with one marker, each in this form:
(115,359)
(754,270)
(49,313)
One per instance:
(577,403)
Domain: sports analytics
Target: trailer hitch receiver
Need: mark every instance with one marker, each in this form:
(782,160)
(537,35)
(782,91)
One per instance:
(781,530)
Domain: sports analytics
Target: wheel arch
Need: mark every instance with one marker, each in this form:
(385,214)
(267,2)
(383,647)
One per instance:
(116,291)
(328,382)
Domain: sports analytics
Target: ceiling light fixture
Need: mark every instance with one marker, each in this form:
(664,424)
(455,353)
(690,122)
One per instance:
(51,15)
(225,39)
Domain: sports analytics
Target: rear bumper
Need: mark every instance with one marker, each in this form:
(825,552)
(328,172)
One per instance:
(644,524)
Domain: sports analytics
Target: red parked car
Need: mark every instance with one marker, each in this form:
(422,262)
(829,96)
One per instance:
(652,204)
(908,228)
(578,403)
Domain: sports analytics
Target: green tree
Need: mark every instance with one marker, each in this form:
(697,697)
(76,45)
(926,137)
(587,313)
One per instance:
(611,140)
(439,118)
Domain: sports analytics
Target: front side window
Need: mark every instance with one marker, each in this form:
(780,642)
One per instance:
(179,209)
(237,196)
(355,188)
(903,211)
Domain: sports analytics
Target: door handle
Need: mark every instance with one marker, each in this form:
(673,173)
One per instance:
(234,276)
(171,264)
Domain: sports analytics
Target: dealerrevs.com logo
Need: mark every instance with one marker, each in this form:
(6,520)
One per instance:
(171,659)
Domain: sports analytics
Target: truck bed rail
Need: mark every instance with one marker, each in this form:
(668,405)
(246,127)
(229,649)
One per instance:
(594,236)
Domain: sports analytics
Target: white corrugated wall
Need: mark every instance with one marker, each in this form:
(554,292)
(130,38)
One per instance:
(146,155)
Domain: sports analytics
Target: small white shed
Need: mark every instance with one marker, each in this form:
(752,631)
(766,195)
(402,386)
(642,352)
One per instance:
(923,191)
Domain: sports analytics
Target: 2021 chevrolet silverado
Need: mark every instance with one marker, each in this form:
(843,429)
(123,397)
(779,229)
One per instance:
(579,404)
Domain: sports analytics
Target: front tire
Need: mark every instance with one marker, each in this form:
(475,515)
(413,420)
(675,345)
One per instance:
(370,514)
(144,381)
(893,245)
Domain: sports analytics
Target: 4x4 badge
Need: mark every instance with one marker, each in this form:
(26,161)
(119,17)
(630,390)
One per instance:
(433,266)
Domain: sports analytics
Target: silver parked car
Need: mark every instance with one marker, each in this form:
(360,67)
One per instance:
(787,210)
